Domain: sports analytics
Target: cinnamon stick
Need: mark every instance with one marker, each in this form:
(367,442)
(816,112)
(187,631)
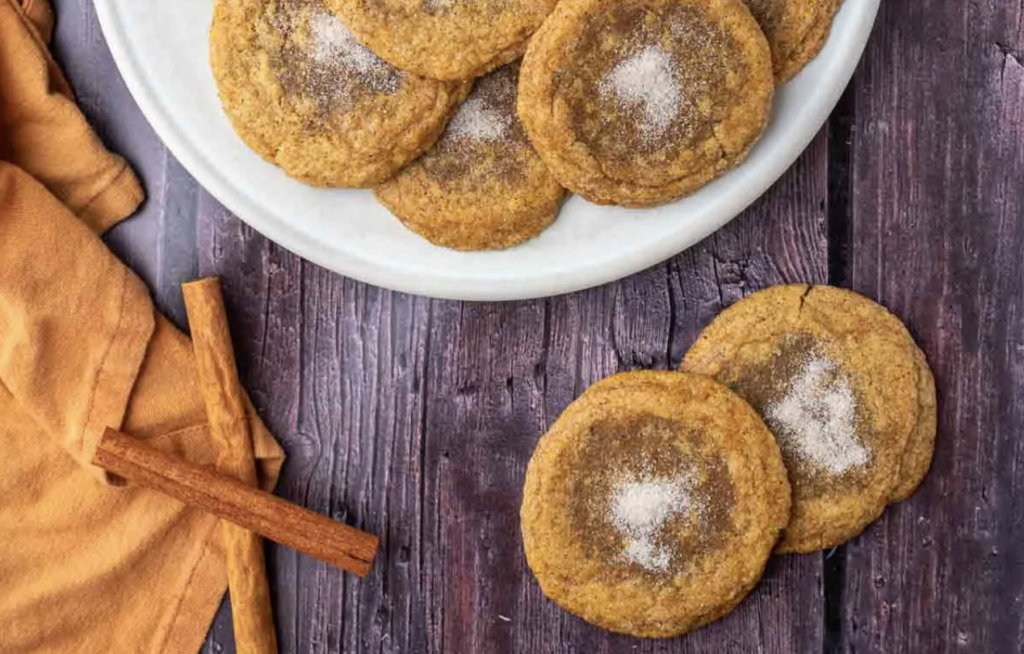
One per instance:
(251,611)
(225,497)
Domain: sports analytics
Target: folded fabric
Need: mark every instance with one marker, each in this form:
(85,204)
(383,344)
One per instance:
(86,567)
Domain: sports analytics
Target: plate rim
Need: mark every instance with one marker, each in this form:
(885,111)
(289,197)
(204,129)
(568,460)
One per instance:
(455,287)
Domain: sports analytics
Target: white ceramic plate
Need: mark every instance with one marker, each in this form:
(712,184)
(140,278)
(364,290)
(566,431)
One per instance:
(161,50)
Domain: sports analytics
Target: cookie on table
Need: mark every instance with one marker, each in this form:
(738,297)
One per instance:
(653,503)
(303,94)
(639,102)
(482,186)
(796,30)
(844,389)
(445,39)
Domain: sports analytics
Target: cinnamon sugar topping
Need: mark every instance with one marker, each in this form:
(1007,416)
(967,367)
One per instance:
(320,59)
(334,47)
(815,419)
(640,508)
(647,79)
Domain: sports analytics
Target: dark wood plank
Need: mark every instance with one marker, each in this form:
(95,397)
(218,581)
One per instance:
(937,236)
(415,418)
(340,366)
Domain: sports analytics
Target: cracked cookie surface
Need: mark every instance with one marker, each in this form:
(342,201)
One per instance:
(639,102)
(306,96)
(845,391)
(652,504)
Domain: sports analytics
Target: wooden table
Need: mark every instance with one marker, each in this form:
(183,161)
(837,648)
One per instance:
(414,418)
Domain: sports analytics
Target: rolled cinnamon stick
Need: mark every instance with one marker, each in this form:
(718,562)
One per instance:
(251,610)
(227,498)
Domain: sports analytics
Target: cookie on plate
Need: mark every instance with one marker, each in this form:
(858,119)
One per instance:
(445,39)
(844,389)
(639,102)
(796,30)
(302,93)
(653,503)
(482,186)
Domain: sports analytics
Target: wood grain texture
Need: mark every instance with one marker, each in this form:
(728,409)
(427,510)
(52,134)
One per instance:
(937,232)
(414,418)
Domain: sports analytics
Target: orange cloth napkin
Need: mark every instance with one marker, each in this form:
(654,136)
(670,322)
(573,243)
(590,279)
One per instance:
(86,567)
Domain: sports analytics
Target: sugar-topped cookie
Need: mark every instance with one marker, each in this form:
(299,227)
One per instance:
(639,102)
(304,94)
(445,39)
(796,30)
(844,389)
(482,186)
(652,504)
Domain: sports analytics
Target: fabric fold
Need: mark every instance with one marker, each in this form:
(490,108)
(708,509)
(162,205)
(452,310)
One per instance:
(43,132)
(87,568)
(74,322)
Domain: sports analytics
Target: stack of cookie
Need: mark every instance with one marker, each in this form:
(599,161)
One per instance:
(628,102)
(653,503)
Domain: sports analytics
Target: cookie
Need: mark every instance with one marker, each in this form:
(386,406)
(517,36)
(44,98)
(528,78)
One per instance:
(652,505)
(921,444)
(303,94)
(796,30)
(482,186)
(445,39)
(844,389)
(639,102)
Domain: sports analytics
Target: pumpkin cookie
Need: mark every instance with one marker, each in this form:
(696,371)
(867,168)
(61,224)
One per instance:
(445,39)
(302,93)
(796,30)
(639,102)
(844,389)
(482,186)
(653,503)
